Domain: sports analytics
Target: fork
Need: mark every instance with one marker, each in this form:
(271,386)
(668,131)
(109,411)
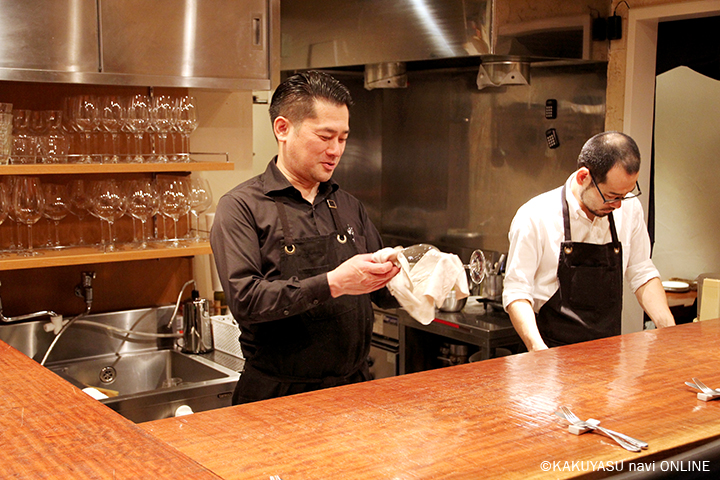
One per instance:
(623,440)
(707,392)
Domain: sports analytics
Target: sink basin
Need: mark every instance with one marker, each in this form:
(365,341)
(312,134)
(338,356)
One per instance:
(146,386)
(134,373)
(147,379)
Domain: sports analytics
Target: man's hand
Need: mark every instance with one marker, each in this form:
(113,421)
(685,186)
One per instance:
(359,275)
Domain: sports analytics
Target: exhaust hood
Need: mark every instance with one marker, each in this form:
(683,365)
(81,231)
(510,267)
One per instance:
(383,35)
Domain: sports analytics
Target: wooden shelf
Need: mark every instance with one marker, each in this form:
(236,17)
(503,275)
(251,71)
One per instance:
(76,169)
(92,255)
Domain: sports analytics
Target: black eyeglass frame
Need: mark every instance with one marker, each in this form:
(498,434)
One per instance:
(628,196)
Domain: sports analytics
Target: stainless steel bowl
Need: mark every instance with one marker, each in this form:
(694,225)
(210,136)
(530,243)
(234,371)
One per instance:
(452,303)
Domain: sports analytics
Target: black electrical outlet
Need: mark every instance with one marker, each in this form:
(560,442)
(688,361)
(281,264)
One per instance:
(552,138)
(551,108)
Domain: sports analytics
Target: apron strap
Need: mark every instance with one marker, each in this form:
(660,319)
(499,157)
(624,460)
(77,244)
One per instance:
(566,223)
(287,233)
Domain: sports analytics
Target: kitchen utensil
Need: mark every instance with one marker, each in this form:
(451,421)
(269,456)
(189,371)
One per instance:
(706,393)
(197,325)
(579,427)
(452,303)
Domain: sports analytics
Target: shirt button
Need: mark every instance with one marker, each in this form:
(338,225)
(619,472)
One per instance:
(316,301)
(286,312)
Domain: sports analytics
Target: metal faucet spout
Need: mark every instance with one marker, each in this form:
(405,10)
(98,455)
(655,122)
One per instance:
(28,316)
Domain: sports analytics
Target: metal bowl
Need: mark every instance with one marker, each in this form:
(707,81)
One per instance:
(452,303)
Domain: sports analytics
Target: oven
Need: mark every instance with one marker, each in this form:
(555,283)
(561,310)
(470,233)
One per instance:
(385,345)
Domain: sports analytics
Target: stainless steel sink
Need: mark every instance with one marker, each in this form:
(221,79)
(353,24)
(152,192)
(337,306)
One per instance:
(147,379)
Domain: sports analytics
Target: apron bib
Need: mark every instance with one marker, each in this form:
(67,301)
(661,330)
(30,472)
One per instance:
(323,347)
(588,303)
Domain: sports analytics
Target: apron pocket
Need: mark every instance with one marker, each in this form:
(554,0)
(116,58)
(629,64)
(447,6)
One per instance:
(589,287)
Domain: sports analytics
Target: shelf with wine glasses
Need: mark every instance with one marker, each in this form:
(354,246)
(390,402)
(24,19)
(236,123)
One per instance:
(193,165)
(49,257)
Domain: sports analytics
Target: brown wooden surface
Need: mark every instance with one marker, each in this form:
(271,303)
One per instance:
(117,286)
(491,419)
(50,429)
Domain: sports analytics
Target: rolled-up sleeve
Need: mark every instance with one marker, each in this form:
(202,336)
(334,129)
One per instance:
(636,250)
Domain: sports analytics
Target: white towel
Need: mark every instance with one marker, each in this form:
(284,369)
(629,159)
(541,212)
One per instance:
(424,286)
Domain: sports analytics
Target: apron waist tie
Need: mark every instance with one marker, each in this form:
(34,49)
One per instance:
(323,382)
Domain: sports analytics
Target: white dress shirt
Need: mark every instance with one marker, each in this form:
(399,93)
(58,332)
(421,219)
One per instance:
(537,231)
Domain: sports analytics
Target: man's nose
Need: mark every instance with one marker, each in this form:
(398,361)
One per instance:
(335,147)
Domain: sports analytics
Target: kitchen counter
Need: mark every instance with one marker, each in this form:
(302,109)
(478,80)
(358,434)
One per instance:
(491,419)
(484,325)
(51,429)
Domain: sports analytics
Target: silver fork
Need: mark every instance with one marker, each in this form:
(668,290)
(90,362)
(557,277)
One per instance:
(623,440)
(706,393)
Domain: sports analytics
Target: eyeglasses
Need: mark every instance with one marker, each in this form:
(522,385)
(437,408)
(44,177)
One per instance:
(636,192)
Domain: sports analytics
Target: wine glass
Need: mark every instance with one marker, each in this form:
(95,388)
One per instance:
(174,197)
(187,123)
(111,112)
(80,203)
(200,200)
(161,117)
(4,205)
(56,206)
(142,203)
(108,203)
(136,121)
(28,204)
(85,111)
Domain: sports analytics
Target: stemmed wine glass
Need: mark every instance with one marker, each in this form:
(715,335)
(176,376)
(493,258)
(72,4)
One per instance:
(4,205)
(56,206)
(86,117)
(142,203)
(136,120)
(187,123)
(174,196)
(28,203)
(200,200)
(108,203)
(161,115)
(80,203)
(111,112)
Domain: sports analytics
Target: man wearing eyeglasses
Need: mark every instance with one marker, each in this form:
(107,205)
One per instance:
(571,247)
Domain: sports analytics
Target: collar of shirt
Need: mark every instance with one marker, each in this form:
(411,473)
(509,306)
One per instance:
(276,184)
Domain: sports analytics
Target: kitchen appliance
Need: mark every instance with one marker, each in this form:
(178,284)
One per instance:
(197,325)
(385,345)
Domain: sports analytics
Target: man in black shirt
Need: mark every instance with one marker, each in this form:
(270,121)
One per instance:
(293,252)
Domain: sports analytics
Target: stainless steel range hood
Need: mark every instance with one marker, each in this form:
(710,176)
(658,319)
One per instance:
(384,34)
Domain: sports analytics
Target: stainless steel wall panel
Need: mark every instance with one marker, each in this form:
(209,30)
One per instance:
(56,35)
(193,38)
(450,164)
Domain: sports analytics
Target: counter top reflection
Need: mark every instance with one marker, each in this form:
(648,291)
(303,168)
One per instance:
(491,419)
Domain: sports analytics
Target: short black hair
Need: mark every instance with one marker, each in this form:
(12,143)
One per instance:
(295,97)
(607,149)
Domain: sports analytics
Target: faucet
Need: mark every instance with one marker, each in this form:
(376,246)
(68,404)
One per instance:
(84,290)
(28,316)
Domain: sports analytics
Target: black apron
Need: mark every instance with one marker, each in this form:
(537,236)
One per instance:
(324,347)
(588,304)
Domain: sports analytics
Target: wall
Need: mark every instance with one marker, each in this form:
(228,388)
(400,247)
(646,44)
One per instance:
(686,178)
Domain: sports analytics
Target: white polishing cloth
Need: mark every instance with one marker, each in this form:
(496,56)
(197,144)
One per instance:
(426,285)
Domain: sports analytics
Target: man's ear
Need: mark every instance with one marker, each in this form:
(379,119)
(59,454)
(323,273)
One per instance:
(281,127)
(583,176)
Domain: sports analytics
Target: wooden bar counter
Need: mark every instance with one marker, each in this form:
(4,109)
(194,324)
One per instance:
(50,429)
(491,419)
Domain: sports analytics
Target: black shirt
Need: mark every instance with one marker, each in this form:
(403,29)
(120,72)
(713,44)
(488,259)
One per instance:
(247,236)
